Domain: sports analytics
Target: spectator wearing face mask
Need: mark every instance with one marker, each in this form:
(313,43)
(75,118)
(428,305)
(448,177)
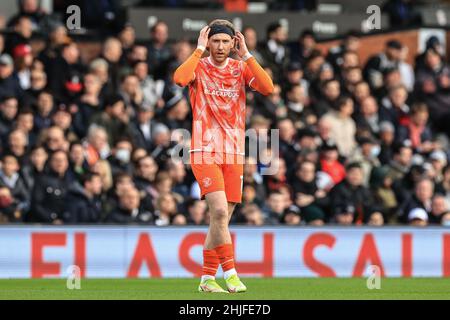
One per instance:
(121,156)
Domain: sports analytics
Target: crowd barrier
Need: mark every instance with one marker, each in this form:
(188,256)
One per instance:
(167,252)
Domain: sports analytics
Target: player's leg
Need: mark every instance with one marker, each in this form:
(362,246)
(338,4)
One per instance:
(233,189)
(210,179)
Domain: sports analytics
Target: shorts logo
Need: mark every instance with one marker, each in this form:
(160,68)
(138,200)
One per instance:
(206,182)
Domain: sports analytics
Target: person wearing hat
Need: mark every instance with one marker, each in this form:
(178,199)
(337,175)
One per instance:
(387,137)
(9,84)
(439,160)
(292,216)
(313,216)
(376,65)
(294,76)
(23,60)
(434,43)
(418,217)
(176,110)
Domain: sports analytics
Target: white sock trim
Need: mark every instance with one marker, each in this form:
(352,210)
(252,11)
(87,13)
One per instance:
(229,273)
(207,277)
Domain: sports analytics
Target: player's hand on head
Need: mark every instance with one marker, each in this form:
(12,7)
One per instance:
(203,37)
(242,47)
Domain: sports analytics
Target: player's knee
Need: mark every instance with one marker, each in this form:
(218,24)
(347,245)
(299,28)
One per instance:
(220,215)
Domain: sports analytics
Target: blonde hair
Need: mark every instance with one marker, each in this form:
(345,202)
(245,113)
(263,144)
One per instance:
(222,22)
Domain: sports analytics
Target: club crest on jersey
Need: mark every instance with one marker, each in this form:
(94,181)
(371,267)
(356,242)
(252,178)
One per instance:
(207,182)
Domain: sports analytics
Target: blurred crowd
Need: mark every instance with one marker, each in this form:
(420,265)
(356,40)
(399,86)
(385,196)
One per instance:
(91,141)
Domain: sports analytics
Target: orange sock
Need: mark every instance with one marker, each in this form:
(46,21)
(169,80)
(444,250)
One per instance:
(226,256)
(210,262)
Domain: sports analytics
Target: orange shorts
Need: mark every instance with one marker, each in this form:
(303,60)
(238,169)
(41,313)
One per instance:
(219,172)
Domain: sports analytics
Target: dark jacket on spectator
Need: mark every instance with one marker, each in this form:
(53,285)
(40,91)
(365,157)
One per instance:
(343,194)
(48,201)
(81,208)
(123,216)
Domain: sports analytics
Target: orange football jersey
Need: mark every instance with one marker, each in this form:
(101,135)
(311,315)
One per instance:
(217,96)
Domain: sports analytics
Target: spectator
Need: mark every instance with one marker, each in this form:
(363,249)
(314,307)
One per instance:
(129,209)
(159,53)
(439,208)
(342,126)
(8,113)
(368,119)
(10,177)
(376,219)
(275,53)
(111,53)
(114,119)
(120,158)
(417,130)
(83,202)
(274,208)
(196,212)
(292,216)
(351,193)
(418,217)
(423,194)
(8,207)
(380,63)
(384,194)
(432,86)
(251,39)
(166,208)
(330,164)
(305,47)
(253,215)
(50,190)
(9,84)
(367,156)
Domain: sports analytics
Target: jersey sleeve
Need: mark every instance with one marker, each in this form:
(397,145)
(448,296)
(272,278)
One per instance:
(248,76)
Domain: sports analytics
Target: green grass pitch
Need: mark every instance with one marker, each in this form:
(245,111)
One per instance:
(260,289)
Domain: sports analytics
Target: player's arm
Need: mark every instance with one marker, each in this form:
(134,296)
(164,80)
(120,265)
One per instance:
(186,72)
(261,81)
